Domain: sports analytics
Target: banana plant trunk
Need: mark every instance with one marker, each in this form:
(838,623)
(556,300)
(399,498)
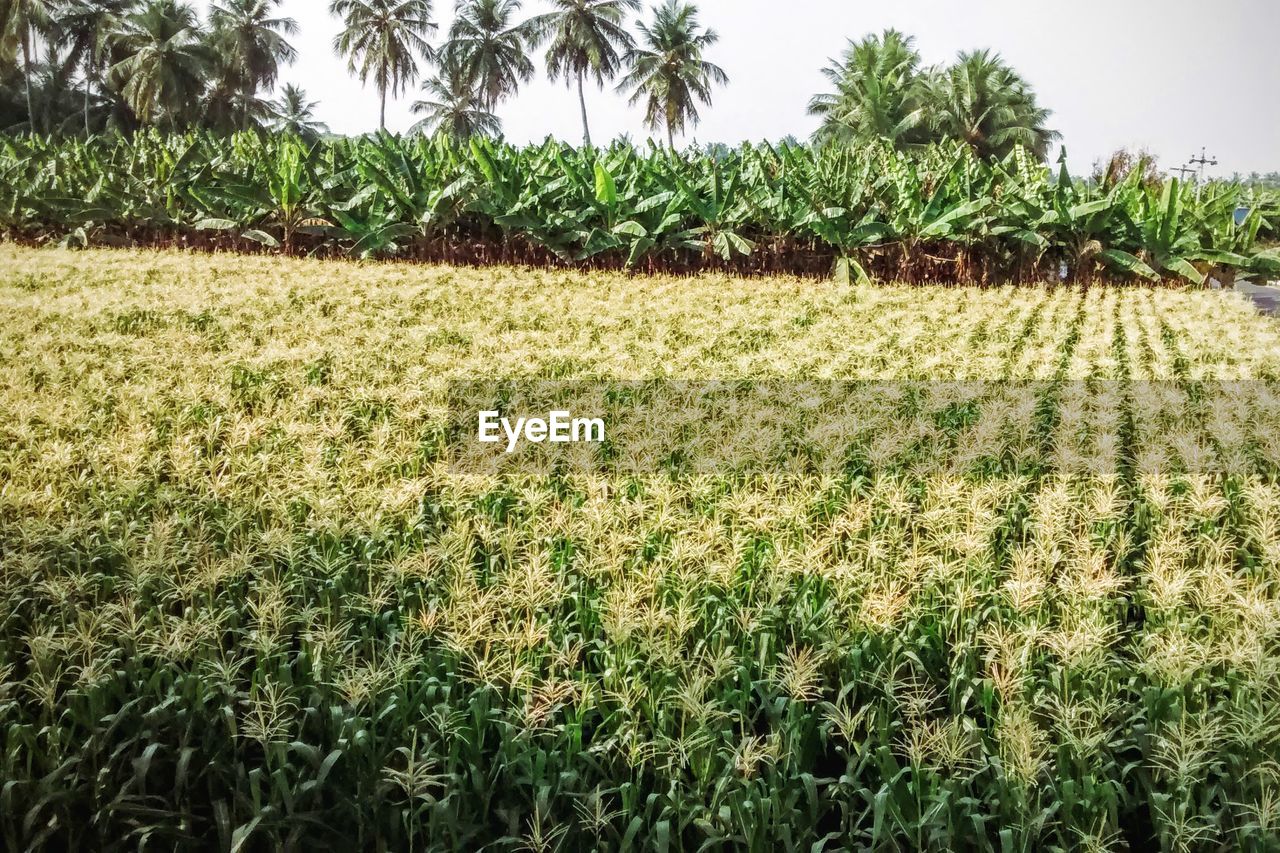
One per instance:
(582,102)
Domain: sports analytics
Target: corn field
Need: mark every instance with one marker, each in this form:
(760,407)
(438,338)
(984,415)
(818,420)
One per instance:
(940,215)
(1005,579)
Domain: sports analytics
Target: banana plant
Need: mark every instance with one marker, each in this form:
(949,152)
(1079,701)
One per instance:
(923,207)
(850,225)
(1168,244)
(713,204)
(1229,243)
(1084,222)
(519,207)
(276,200)
(657,215)
(423,184)
(937,211)
(598,206)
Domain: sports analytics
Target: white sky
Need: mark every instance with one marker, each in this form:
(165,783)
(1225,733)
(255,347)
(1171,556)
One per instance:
(1168,75)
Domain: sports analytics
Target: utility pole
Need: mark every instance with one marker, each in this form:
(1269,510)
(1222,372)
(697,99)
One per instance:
(1184,171)
(1202,161)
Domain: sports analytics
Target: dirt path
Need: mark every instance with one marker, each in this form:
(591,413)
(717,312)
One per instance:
(1266,297)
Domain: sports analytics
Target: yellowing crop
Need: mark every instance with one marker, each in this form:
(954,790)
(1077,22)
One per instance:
(973,569)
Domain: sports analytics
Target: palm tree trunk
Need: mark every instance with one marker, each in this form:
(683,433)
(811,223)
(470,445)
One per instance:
(88,75)
(382,120)
(26,64)
(582,102)
(671,137)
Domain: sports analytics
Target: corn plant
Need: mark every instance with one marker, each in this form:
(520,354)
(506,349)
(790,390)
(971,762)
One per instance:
(940,569)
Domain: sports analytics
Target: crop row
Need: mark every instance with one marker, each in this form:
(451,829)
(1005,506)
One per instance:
(250,602)
(939,214)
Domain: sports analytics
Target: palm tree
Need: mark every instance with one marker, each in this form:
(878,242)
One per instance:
(587,37)
(384,39)
(985,103)
(165,62)
(490,49)
(252,45)
(21,21)
(296,115)
(878,93)
(230,102)
(84,28)
(669,73)
(455,106)
(59,105)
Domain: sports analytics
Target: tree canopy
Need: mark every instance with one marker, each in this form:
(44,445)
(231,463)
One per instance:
(86,66)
